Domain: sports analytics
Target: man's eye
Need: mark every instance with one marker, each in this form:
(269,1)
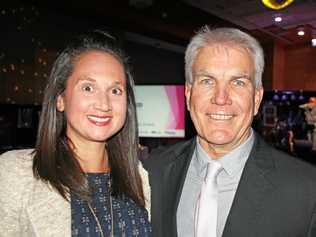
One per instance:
(239,82)
(207,81)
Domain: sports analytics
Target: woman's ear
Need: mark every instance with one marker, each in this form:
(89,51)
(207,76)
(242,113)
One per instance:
(60,104)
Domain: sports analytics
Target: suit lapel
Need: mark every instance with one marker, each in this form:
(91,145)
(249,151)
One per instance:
(253,187)
(172,184)
(48,212)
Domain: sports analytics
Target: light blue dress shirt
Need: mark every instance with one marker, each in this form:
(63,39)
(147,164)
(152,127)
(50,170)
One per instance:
(228,179)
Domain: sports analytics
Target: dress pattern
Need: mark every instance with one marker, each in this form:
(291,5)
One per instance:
(129,219)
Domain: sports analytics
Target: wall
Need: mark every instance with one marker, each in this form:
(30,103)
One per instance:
(33,37)
(153,65)
(300,68)
(294,68)
(268,68)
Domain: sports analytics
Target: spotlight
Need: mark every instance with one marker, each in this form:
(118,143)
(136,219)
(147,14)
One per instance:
(277,19)
(284,97)
(275,96)
(300,32)
(314,42)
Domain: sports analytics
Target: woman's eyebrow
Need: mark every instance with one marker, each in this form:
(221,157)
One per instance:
(86,79)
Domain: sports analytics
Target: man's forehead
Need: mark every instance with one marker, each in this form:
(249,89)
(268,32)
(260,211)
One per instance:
(224,48)
(213,73)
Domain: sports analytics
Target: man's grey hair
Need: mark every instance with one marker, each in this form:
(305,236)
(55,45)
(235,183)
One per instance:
(208,37)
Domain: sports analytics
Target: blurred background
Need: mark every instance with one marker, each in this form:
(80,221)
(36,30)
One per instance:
(155,33)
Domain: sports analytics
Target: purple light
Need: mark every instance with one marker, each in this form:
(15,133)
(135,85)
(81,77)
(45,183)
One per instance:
(284,97)
(275,97)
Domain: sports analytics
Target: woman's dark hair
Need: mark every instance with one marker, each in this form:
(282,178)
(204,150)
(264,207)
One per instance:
(54,160)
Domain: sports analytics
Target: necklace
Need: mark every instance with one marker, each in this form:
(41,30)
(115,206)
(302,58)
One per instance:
(97,219)
(111,213)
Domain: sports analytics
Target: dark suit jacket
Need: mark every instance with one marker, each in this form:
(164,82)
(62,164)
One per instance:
(276,196)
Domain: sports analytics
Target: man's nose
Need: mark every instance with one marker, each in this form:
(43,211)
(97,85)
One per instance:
(221,95)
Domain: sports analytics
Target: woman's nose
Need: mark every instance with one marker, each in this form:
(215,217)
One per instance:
(103,102)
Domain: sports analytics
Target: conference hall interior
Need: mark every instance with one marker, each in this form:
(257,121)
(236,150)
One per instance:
(155,33)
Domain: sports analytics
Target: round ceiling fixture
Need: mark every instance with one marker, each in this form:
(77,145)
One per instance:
(300,32)
(277,5)
(277,19)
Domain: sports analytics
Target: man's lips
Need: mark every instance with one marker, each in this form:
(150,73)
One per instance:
(220,116)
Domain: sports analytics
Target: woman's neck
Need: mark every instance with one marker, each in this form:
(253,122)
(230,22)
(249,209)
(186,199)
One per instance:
(93,158)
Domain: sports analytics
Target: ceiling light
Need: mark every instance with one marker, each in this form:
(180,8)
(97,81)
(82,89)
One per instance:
(300,32)
(277,19)
(313,40)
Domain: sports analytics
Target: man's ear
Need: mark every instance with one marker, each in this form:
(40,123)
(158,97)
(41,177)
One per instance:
(258,98)
(60,104)
(188,87)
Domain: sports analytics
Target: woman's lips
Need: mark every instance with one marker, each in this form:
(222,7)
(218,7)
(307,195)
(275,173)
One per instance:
(99,120)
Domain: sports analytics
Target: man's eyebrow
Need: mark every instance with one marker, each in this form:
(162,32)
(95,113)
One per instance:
(212,75)
(203,73)
(246,76)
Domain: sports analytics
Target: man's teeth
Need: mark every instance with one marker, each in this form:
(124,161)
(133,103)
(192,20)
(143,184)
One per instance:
(220,116)
(98,119)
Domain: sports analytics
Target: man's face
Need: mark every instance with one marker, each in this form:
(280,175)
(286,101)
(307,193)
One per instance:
(222,99)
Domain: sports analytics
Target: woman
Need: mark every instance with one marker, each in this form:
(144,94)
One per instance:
(83,178)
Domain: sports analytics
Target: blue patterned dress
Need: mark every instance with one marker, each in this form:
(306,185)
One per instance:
(129,219)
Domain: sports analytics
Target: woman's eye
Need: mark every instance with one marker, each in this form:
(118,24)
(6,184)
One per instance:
(87,88)
(117,91)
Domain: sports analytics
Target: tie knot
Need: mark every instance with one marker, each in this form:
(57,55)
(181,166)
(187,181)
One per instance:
(213,170)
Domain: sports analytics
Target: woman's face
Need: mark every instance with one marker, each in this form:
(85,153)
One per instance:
(94,100)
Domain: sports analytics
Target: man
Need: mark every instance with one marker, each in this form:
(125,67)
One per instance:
(260,191)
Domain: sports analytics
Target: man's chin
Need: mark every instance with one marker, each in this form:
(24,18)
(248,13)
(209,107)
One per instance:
(216,140)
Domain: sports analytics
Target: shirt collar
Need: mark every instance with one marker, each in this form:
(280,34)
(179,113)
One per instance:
(232,163)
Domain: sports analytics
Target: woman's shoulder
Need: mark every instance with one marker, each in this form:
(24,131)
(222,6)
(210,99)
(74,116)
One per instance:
(16,164)
(16,181)
(146,187)
(18,157)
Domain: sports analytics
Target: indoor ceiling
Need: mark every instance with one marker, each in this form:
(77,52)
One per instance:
(256,17)
(176,20)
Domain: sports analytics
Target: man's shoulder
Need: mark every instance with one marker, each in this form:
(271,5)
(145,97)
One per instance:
(289,166)
(165,155)
(296,167)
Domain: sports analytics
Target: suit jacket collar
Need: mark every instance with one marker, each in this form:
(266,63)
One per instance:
(253,187)
(173,177)
(49,213)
